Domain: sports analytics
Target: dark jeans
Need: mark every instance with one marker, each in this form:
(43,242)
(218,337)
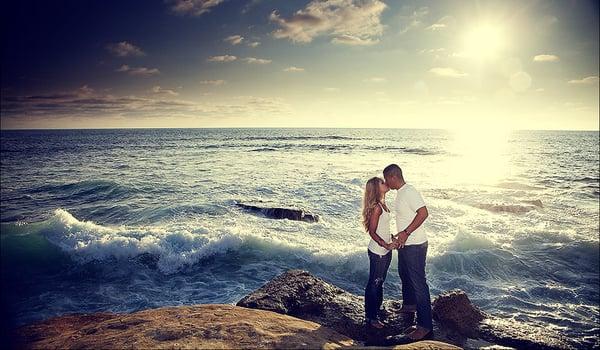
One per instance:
(415,291)
(378,267)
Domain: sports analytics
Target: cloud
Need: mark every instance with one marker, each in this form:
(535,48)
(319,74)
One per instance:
(353,40)
(375,80)
(213,82)
(293,69)
(346,21)
(234,39)
(192,7)
(160,91)
(223,58)
(331,89)
(254,60)
(17,110)
(253,43)
(591,80)
(447,72)
(436,26)
(138,71)
(546,58)
(413,20)
(124,49)
(444,23)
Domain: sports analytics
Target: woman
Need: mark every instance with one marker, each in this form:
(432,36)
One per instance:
(376,221)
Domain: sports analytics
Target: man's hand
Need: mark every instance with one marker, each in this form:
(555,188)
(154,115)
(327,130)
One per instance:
(402,237)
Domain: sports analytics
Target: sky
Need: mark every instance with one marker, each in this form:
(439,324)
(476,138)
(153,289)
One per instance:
(444,64)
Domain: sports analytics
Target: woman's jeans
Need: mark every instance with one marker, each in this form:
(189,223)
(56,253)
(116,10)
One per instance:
(415,291)
(378,267)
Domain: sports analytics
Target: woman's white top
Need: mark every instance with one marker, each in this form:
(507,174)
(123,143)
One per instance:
(383,231)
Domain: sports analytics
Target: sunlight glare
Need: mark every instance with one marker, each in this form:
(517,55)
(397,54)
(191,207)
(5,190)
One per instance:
(480,155)
(485,41)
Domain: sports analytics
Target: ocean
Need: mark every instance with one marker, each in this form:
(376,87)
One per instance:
(128,219)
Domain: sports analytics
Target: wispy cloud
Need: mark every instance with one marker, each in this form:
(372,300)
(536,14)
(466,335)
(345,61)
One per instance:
(253,43)
(591,80)
(375,80)
(444,23)
(234,39)
(192,7)
(17,110)
(413,20)
(546,58)
(353,40)
(436,26)
(254,60)
(447,72)
(222,58)
(213,82)
(160,91)
(124,49)
(293,69)
(339,19)
(138,71)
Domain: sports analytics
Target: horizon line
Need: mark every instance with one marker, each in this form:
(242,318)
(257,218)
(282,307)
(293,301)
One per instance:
(267,127)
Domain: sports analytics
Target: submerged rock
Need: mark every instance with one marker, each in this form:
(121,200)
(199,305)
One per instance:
(300,294)
(280,213)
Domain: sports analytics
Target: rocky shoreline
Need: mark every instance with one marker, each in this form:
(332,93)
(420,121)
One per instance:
(293,310)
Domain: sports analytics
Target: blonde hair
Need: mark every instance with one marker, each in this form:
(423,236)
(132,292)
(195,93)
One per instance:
(371,199)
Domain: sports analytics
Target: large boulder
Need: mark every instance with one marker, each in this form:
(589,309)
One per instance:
(300,294)
(456,319)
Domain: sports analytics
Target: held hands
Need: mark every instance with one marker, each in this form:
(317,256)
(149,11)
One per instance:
(398,241)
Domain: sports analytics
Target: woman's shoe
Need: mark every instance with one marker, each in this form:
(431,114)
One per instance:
(375,323)
(407,309)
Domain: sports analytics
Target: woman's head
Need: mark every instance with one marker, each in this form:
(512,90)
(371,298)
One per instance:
(375,190)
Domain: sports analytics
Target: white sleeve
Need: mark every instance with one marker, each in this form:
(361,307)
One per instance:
(414,199)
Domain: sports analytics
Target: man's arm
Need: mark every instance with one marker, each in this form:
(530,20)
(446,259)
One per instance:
(422,214)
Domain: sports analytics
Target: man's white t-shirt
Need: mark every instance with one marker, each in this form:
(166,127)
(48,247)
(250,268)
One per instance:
(408,200)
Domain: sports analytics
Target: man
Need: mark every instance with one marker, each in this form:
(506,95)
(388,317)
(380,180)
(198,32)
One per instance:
(411,242)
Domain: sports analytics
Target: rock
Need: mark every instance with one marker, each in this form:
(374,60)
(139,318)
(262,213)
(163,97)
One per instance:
(453,309)
(520,335)
(198,326)
(300,294)
(280,213)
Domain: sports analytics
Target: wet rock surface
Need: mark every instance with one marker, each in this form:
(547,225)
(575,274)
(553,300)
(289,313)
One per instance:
(456,320)
(279,212)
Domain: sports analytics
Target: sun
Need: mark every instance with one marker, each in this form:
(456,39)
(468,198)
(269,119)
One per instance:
(485,41)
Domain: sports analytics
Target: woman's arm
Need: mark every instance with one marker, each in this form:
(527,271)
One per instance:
(373,222)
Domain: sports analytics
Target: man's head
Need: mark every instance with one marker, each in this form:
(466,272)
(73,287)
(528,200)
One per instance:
(393,176)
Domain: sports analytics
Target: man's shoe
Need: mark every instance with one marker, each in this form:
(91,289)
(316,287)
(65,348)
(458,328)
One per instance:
(409,329)
(418,334)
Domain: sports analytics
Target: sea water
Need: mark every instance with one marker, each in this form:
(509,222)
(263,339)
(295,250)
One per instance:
(124,220)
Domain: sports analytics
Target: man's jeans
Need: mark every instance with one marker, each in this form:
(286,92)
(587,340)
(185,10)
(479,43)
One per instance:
(378,267)
(415,291)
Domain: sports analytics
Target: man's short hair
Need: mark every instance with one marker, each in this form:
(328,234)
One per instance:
(393,170)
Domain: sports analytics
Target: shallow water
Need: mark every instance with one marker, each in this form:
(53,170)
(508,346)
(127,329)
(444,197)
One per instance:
(123,220)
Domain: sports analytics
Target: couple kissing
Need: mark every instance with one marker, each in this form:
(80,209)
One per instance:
(410,241)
